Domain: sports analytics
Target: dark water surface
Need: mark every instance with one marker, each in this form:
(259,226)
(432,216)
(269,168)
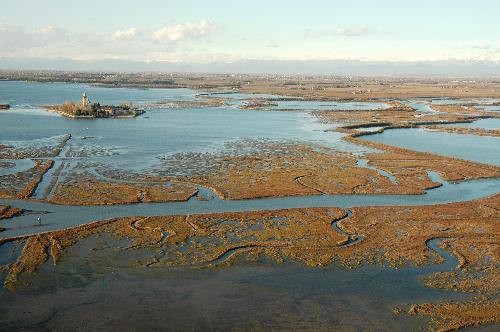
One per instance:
(97,289)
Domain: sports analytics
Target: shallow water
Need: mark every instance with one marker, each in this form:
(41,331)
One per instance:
(482,149)
(32,94)
(453,101)
(57,218)
(99,288)
(242,96)
(93,281)
(423,107)
(483,124)
(490,108)
(244,297)
(238,99)
(140,141)
(20,165)
(329,105)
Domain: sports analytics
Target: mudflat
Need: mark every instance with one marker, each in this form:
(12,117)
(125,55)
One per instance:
(265,142)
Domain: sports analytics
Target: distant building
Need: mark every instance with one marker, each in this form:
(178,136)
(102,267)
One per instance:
(85,101)
(86,109)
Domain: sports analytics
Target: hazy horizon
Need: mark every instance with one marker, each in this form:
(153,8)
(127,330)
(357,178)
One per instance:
(367,37)
(450,68)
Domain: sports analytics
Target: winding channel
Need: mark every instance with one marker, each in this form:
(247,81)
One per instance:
(57,217)
(351,239)
(235,250)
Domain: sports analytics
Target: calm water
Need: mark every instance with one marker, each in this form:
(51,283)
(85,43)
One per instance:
(99,288)
(490,108)
(451,101)
(30,94)
(328,105)
(141,140)
(238,99)
(482,149)
(58,214)
(82,288)
(423,107)
(483,124)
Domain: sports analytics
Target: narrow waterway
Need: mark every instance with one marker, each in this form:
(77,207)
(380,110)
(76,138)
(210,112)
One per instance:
(63,216)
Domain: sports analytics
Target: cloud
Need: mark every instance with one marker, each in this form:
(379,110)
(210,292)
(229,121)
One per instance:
(354,31)
(51,33)
(125,34)
(187,30)
(482,46)
(18,37)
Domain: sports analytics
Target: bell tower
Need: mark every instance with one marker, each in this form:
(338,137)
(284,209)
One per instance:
(85,100)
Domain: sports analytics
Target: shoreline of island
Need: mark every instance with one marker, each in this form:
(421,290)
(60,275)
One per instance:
(87,110)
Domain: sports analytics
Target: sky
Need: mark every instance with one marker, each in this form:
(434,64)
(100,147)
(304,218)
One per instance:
(221,31)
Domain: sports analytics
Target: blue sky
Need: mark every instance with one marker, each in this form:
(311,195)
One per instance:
(226,31)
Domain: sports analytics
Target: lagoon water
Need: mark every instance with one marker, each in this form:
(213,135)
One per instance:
(329,105)
(139,141)
(491,108)
(99,288)
(483,149)
(488,124)
(33,94)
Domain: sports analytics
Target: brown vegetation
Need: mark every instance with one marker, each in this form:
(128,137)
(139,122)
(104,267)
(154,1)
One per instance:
(84,189)
(304,234)
(467,131)
(386,235)
(22,185)
(273,169)
(277,169)
(327,86)
(9,212)
(394,235)
(461,109)
(400,161)
(38,148)
(448,316)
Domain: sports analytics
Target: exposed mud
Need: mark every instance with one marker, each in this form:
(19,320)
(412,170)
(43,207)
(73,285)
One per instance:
(393,235)
(22,184)
(85,189)
(449,316)
(467,131)
(9,212)
(38,148)
(408,165)
(304,235)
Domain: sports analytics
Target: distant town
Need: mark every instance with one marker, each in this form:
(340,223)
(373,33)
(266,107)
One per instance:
(87,109)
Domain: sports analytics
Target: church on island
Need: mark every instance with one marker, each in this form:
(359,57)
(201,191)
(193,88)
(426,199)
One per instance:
(87,109)
(85,100)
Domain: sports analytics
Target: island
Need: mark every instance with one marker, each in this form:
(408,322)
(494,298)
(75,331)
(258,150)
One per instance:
(86,109)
